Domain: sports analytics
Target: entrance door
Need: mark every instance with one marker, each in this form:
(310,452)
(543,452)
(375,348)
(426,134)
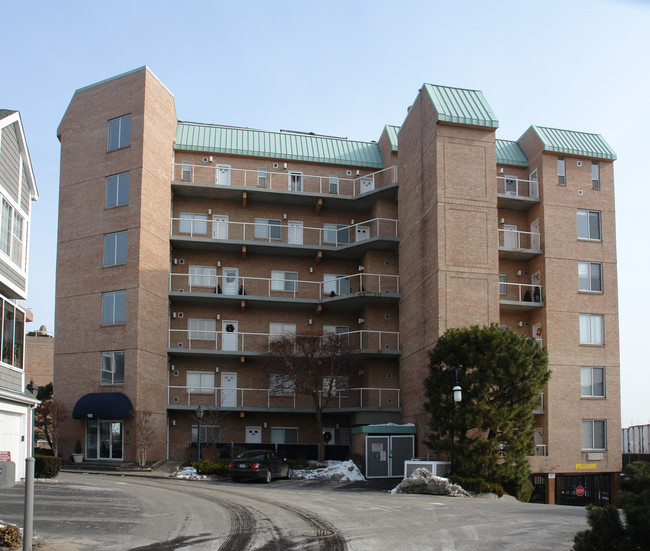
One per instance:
(401,449)
(536,281)
(230,281)
(534,185)
(222,177)
(295,232)
(295,181)
(229,390)
(385,455)
(219,226)
(534,236)
(511,185)
(229,335)
(377,457)
(510,236)
(253,435)
(362,233)
(103,439)
(367,184)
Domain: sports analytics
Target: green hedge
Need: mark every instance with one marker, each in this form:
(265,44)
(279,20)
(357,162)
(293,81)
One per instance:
(46,466)
(478,485)
(212,466)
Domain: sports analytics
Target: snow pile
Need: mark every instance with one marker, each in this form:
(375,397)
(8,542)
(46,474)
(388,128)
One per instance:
(422,481)
(190,473)
(345,471)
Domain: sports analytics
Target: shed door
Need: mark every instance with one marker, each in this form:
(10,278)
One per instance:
(402,448)
(377,456)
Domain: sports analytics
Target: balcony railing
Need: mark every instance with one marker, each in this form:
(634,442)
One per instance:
(266,398)
(236,341)
(540,449)
(539,408)
(284,288)
(520,292)
(514,239)
(514,187)
(289,181)
(337,235)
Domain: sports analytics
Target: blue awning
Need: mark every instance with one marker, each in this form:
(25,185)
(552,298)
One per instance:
(103,405)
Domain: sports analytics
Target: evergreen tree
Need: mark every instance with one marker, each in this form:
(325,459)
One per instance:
(489,435)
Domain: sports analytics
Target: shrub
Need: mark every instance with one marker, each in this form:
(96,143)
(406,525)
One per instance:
(301,464)
(522,490)
(211,466)
(46,466)
(10,536)
(478,485)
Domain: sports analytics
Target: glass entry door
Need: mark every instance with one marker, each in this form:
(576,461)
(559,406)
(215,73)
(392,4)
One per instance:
(104,439)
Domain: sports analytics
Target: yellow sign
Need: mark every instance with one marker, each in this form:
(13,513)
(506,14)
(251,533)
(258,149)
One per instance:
(585,466)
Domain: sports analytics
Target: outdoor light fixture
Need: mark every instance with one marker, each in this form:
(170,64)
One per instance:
(458,392)
(32,387)
(199,416)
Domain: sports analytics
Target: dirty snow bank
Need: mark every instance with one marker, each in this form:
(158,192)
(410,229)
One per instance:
(422,481)
(190,474)
(345,471)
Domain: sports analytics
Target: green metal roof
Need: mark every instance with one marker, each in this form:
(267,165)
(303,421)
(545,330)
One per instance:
(570,142)
(392,132)
(211,138)
(509,153)
(461,106)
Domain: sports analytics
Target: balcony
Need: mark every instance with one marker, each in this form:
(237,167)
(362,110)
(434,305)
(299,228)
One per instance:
(516,194)
(283,187)
(539,407)
(540,450)
(265,399)
(520,297)
(518,245)
(233,343)
(285,238)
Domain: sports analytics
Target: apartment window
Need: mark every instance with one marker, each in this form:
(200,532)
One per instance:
(277,329)
(502,284)
(561,171)
(268,229)
(592,382)
(589,224)
(203,276)
(284,281)
(202,329)
(113,367)
(594,434)
(343,330)
(336,233)
(595,175)
(590,276)
(336,386)
(592,329)
(334,284)
(117,190)
(209,434)
(281,385)
(187,171)
(334,184)
(193,223)
(261,177)
(283,435)
(113,308)
(11,233)
(13,332)
(295,181)
(200,382)
(115,248)
(119,132)
(511,185)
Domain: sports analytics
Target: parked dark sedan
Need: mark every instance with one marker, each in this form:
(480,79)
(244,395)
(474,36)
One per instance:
(259,464)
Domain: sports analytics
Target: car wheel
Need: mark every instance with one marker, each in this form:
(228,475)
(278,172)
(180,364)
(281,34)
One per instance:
(268,476)
(289,472)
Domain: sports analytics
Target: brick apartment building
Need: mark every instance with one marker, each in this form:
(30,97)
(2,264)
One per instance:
(183,248)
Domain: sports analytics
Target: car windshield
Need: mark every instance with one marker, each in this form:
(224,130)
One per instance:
(255,455)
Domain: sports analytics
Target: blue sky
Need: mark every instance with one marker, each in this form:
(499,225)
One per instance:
(346,69)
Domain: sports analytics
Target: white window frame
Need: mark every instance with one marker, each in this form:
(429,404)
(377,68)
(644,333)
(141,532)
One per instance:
(592,329)
(561,171)
(193,223)
(296,180)
(334,184)
(589,437)
(337,283)
(117,190)
(332,232)
(595,175)
(111,303)
(275,440)
(109,368)
(284,281)
(202,276)
(115,248)
(120,130)
(186,171)
(262,177)
(265,227)
(12,233)
(588,214)
(589,268)
(507,178)
(587,381)
(281,385)
(281,329)
(200,329)
(200,382)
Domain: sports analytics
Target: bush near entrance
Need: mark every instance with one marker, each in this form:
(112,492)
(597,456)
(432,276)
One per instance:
(46,466)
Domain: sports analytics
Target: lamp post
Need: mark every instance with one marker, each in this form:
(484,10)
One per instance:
(199,416)
(458,398)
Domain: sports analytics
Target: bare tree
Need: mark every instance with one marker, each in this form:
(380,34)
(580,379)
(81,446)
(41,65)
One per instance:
(48,419)
(144,432)
(319,366)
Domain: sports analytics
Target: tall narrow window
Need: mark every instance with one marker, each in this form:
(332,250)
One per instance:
(17,240)
(590,276)
(187,171)
(295,181)
(595,175)
(119,132)
(561,171)
(261,177)
(117,190)
(113,308)
(11,233)
(592,329)
(115,248)
(8,333)
(589,224)
(334,184)
(113,367)
(502,284)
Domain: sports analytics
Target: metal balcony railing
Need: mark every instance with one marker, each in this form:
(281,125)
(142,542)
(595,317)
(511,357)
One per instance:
(520,292)
(515,187)
(540,449)
(236,341)
(276,231)
(270,287)
(289,181)
(366,397)
(514,239)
